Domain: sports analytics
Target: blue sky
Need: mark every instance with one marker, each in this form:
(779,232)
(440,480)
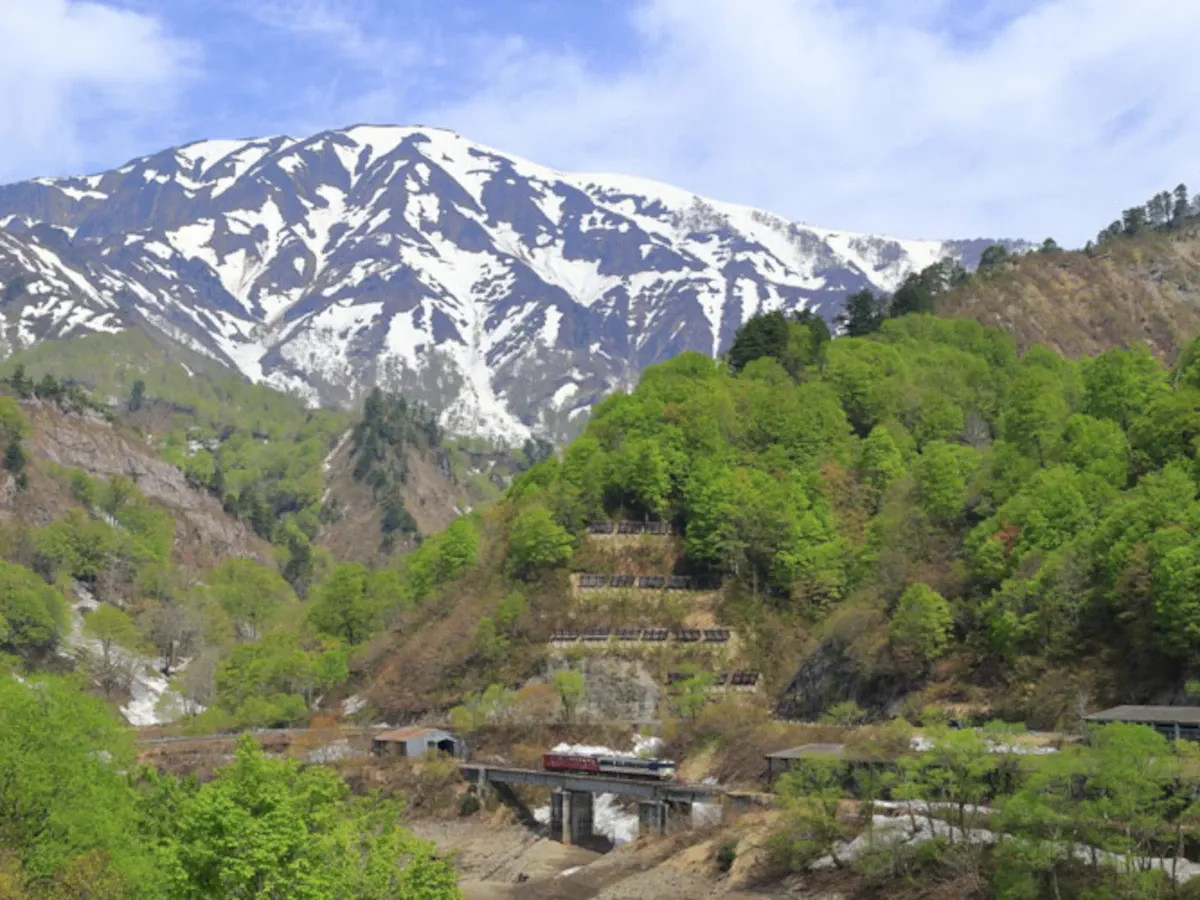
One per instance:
(921,118)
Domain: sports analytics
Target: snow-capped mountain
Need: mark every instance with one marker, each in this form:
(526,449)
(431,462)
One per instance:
(505,294)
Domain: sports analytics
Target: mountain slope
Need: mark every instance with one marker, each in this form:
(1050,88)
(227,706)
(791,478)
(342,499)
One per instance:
(506,295)
(1144,289)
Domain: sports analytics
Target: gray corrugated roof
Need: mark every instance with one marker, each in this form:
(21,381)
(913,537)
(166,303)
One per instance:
(407,734)
(1184,715)
(807,750)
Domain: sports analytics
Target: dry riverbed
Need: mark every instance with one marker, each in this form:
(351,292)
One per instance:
(503,861)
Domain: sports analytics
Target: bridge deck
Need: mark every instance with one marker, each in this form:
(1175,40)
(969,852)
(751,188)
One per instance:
(641,789)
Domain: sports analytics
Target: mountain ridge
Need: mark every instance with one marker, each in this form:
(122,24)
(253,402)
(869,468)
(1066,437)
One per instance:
(506,295)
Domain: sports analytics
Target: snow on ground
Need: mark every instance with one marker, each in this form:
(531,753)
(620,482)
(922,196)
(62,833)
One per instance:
(889,831)
(147,691)
(152,702)
(334,752)
(924,744)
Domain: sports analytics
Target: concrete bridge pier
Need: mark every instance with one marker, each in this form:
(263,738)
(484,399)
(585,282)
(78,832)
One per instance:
(652,817)
(657,817)
(570,816)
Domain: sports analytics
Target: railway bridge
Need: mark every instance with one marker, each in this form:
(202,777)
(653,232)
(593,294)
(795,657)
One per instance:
(662,805)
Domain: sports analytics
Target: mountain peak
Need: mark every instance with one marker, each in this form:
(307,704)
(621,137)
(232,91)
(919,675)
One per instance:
(507,295)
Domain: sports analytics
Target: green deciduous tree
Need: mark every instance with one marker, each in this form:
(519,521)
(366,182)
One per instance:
(690,694)
(880,463)
(537,543)
(1098,447)
(250,593)
(82,548)
(32,614)
(1177,600)
(491,643)
(510,611)
(269,828)
(920,626)
(644,474)
(117,636)
(343,607)
(810,795)
(488,707)
(1118,383)
(1034,412)
(64,789)
(570,687)
(272,682)
(942,473)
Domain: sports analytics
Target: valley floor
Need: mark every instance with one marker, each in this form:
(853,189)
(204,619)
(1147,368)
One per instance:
(499,862)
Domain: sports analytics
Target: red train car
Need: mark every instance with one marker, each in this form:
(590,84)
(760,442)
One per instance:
(570,762)
(627,766)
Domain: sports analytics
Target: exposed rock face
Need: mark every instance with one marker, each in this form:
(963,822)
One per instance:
(508,296)
(1130,292)
(90,443)
(617,690)
(830,677)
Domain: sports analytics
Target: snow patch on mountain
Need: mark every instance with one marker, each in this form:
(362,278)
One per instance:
(506,295)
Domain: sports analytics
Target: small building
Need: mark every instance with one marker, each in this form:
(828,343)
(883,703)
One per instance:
(1173,722)
(417,742)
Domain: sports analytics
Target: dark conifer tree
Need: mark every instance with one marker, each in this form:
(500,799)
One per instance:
(862,314)
(762,335)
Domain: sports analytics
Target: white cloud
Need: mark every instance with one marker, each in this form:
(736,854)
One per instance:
(921,118)
(75,76)
(876,115)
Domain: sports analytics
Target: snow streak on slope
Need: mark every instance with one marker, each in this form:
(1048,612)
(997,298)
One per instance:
(507,295)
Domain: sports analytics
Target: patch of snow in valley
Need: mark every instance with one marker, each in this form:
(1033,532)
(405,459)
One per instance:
(152,702)
(924,744)
(891,831)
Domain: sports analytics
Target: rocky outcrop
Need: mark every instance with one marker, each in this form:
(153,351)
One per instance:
(615,690)
(204,532)
(830,676)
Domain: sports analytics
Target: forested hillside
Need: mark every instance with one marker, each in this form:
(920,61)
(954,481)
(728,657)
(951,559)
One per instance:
(168,524)
(924,513)
(911,522)
(926,493)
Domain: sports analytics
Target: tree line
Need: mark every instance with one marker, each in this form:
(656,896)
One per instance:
(1164,211)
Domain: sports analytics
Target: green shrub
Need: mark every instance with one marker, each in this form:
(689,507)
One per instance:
(726,854)
(845,714)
